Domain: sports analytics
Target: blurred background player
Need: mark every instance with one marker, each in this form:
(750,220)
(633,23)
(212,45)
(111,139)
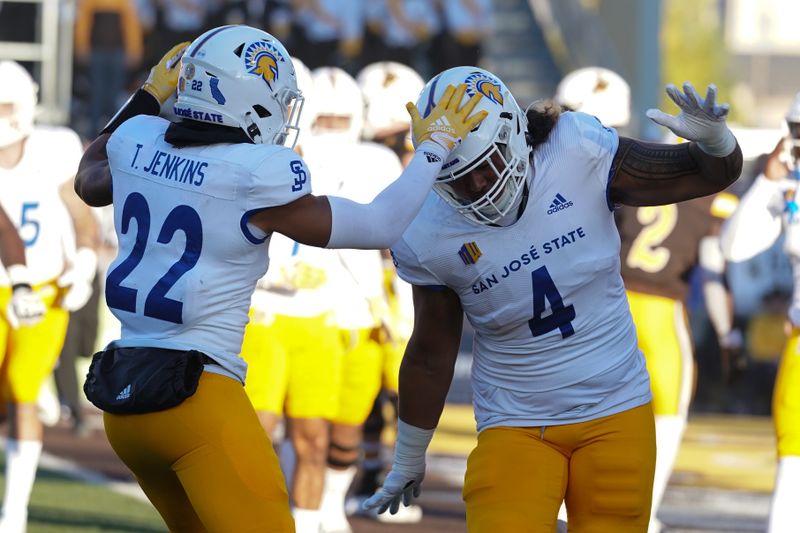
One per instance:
(386,86)
(355,170)
(59,232)
(768,209)
(661,248)
(293,348)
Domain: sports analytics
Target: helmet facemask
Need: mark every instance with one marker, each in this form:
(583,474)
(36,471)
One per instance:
(510,170)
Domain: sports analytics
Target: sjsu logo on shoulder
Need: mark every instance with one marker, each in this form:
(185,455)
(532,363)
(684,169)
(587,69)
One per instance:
(480,83)
(262,58)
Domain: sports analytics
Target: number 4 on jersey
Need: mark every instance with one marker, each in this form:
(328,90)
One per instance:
(561,317)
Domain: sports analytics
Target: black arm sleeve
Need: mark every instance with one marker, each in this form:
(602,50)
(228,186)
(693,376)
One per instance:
(140,103)
(658,174)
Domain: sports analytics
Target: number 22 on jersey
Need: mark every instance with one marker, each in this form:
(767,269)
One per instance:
(157,304)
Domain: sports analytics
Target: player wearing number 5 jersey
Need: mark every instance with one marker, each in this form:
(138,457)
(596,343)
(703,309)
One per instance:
(520,236)
(195,205)
(37,164)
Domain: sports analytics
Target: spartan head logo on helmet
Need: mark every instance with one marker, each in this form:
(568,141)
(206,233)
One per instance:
(480,83)
(262,60)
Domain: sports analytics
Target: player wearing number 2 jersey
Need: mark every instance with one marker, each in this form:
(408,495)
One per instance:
(520,236)
(195,205)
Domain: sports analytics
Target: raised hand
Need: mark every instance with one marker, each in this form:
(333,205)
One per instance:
(447,124)
(701,119)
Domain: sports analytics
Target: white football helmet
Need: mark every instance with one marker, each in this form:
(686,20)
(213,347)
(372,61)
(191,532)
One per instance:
(386,87)
(242,77)
(599,92)
(337,99)
(18,89)
(500,141)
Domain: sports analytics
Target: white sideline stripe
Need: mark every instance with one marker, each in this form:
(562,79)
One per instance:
(73,470)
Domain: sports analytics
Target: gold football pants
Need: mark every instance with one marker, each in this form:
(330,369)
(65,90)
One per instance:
(206,465)
(517,477)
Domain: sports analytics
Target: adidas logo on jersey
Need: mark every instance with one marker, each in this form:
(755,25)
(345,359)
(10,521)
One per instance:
(559,203)
(125,393)
(432,158)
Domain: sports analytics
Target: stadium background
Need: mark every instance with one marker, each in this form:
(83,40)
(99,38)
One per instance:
(751,50)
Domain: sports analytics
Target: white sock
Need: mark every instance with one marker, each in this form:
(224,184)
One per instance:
(22,458)
(669,433)
(337,483)
(306,520)
(785,513)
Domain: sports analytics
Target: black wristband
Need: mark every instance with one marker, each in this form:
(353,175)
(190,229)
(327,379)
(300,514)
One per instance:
(140,103)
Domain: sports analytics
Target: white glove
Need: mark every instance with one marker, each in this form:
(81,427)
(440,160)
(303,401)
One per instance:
(408,470)
(700,120)
(78,278)
(25,308)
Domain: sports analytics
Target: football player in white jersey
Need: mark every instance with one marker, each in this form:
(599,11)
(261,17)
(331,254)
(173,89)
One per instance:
(386,85)
(344,166)
(36,168)
(195,204)
(768,209)
(525,205)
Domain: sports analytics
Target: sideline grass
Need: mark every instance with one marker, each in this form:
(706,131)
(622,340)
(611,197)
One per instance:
(60,504)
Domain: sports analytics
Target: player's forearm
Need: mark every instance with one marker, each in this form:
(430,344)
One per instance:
(425,379)
(380,223)
(657,174)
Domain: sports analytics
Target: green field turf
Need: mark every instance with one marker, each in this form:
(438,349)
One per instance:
(60,504)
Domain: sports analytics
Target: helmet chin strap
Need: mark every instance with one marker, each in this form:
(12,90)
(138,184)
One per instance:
(252,129)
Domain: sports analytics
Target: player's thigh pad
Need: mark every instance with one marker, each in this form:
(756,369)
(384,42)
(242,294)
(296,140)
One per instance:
(514,482)
(315,366)
(361,377)
(207,459)
(664,340)
(611,473)
(786,398)
(267,367)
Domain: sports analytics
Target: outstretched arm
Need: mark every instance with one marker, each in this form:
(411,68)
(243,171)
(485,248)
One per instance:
(657,174)
(336,222)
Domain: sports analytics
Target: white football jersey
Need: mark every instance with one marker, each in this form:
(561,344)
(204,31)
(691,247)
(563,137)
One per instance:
(357,171)
(554,338)
(768,209)
(188,261)
(29,193)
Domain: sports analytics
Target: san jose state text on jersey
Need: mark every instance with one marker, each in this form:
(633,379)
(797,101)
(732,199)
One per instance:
(528,256)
